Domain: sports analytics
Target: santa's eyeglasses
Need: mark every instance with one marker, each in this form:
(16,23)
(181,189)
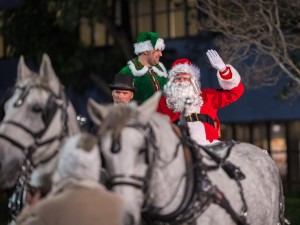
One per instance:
(182,78)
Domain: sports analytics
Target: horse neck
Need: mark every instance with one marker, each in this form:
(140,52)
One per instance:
(168,178)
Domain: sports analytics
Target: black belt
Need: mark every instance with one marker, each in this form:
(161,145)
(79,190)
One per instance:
(200,117)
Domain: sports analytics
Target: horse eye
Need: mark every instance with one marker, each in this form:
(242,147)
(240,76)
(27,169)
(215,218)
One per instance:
(142,150)
(36,109)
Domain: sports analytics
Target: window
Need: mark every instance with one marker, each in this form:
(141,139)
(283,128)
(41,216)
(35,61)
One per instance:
(242,132)
(278,147)
(85,31)
(260,135)
(293,146)
(161,18)
(226,132)
(183,18)
(170,18)
(2,47)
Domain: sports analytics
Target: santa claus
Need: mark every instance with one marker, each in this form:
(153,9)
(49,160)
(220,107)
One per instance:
(182,94)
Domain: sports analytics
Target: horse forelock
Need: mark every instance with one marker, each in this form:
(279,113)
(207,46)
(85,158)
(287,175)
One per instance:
(116,120)
(86,142)
(34,81)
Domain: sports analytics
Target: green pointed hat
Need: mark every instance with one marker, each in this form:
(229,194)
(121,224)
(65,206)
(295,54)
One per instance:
(148,41)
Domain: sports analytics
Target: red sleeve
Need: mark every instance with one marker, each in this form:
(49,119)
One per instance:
(163,108)
(221,98)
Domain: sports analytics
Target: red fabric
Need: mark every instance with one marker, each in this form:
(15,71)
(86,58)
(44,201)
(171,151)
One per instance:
(226,74)
(181,61)
(213,100)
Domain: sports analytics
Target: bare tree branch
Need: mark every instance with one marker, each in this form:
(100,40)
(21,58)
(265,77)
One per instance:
(260,37)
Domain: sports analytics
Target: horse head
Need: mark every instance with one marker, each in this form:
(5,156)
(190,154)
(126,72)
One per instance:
(136,143)
(37,118)
(150,170)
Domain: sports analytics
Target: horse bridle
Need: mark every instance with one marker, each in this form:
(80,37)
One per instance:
(136,181)
(140,182)
(50,110)
(17,198)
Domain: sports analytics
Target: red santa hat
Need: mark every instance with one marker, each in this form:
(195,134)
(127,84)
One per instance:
(184,65)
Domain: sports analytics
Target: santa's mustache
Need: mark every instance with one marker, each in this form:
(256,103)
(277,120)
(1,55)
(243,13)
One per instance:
(180,96)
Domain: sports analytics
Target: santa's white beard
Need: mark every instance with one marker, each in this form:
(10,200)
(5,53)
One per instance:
(180,96)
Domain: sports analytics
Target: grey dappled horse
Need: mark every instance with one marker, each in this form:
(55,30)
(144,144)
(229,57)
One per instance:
(38,117)
(149,168)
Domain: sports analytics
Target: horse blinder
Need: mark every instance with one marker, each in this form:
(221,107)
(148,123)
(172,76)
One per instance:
(50,110)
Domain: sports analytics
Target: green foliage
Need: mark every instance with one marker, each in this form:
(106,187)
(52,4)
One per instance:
(52,26)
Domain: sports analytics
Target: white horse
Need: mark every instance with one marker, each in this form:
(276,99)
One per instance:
(38,117)
(150,169)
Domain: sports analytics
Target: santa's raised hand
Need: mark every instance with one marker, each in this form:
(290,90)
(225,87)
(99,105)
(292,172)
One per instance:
(215,60)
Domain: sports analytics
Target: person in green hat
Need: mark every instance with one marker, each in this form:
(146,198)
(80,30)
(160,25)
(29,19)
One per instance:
(149,73)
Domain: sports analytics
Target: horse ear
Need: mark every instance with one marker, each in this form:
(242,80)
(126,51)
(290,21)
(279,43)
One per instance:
(96,111)
(23,72)
(149,106)
(47,71)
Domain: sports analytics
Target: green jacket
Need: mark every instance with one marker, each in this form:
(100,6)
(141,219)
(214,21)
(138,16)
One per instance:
(147,80)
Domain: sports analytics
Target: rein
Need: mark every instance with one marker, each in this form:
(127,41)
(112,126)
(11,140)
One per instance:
(18,197)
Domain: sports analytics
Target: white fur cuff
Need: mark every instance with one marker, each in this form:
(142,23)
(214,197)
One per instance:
(230,83)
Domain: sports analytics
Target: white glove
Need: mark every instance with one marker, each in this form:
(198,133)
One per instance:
(215,60)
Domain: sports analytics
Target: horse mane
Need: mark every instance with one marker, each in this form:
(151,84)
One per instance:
(117,118)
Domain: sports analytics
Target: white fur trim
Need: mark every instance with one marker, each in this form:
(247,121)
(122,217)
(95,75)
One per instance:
(136,72)
(231,83)
(160,45)
(142,47)
(189,69)
(163,67)
(197,133)
(159,72)
(185,68)
(147,46)
(141,72)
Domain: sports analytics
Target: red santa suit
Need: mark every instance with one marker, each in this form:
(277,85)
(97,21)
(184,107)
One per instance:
(203,122)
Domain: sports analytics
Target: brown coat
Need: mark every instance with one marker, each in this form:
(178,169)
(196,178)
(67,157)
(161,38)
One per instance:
(75,203)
